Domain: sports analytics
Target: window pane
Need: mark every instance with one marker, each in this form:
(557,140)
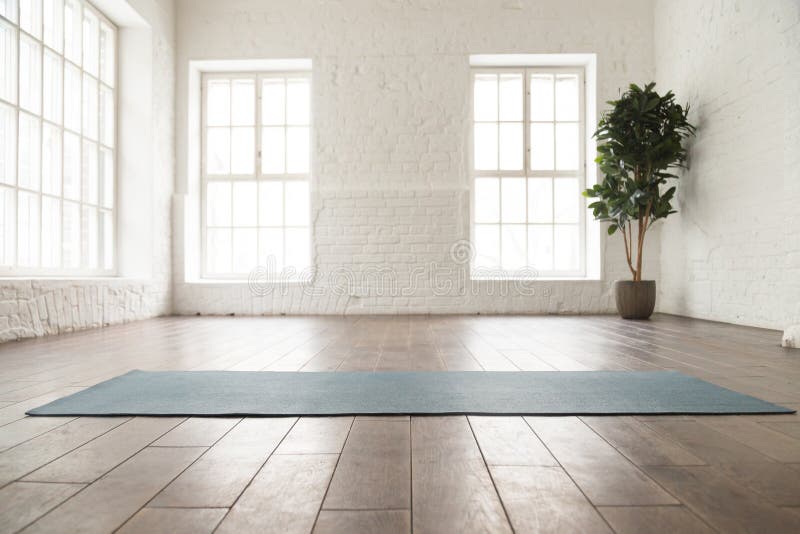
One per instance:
(511,146)
(90,237)
(541,97)
(89,176)
(273,97)
(107,236)
(245,199)
(90,42)
(30,16)
(53,19)
(72,235)
(270,203)
(273,150)
(8,225)
(487,200)
(567,200)
(297,149)
(72,30)
(218,201)
(106,179)
(8,8)
(8,145)
(487,246)
(218,151)
(244,102)
(540,200)
(243,150)
(72,166)
(30,143)
(297,203)
(245,250)
(51,232)
(540,247)
(513,247)
(542,147)
(567,97)
(218,107)
(28,231)
(8,62)
(511,97)
(52,87)
(270,249)
(513,193)
(486,147)
(89,107)
(567,144)
(297,249)
(72,98)
(106,116)
(30,75)
(485,95)
(107,52)
(298,101)
(218,251)
(566,241)
(51,159)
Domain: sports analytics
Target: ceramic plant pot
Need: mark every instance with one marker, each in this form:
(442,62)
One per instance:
(635,300)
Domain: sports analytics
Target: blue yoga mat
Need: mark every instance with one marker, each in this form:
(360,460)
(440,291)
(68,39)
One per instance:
(218,393)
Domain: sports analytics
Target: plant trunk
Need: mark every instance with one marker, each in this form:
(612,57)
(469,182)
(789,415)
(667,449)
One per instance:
(640,245)
(627,234)
(638,276)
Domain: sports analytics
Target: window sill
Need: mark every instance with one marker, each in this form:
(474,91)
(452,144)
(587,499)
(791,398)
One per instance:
(238,281)
(536,279)
(77,279)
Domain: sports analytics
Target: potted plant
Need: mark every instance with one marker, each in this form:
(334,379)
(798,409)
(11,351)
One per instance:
(640,142)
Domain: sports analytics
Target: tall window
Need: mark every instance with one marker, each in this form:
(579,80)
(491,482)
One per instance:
(57,136)
(528,171)
(256,174)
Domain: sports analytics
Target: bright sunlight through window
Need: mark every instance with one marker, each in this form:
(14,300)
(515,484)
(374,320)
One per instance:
(256,165)
(57,136)
(528,171)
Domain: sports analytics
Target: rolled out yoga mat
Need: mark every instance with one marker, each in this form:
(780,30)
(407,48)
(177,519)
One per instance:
(219,393)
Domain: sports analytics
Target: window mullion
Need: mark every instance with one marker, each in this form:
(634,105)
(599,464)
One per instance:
(17,116)
(40,194)
(526,147)
(230,165)
(257,174)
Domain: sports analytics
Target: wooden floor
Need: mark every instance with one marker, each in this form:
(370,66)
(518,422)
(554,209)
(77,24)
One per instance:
(398,474)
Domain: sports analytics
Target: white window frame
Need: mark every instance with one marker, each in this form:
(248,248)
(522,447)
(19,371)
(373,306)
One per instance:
(257,176)
(526,172)
(16,270)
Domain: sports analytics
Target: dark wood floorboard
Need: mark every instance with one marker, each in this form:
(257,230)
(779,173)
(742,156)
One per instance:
(401,474)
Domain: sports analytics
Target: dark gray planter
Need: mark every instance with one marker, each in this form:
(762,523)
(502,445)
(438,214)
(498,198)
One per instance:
(635,300)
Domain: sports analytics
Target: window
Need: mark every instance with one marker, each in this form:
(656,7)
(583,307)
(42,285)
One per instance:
(256,168)
(57,135)
(528,172)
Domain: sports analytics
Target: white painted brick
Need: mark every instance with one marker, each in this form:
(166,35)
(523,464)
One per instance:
(391,133)
(731,253)
(31,308)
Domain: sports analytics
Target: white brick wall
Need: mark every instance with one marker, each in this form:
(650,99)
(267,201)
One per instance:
(391,134)
(30,308)
(733,252)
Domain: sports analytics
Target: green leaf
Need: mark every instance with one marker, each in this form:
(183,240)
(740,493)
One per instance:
(641,145)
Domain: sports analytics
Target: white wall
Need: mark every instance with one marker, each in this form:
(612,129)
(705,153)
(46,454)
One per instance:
(733,252)
(146,153)
(391,105)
